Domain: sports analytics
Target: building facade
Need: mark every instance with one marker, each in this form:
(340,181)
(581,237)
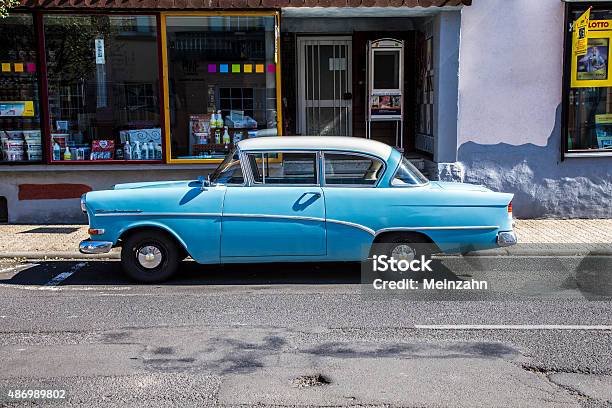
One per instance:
(98,93)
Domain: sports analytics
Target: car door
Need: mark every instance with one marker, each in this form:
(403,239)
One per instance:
(354,206)
(281,213)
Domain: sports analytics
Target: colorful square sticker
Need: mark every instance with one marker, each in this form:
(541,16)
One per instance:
(6,67)
(212,67)
(235,67)
(31,67)
(259,68)
(271,68)
(248,68)
(223,68)
(18,67)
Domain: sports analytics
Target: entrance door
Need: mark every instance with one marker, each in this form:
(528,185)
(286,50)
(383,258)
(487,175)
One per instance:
(325,86)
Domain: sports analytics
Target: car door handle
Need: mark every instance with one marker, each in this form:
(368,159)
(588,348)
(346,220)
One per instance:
(314,194)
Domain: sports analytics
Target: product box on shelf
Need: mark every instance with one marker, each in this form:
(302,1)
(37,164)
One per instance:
(102,149)
(141,135)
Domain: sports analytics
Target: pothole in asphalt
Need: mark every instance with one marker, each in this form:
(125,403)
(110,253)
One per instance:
(310,381)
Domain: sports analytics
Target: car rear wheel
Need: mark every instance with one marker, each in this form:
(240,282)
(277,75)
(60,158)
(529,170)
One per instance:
(150,256)
(406,247)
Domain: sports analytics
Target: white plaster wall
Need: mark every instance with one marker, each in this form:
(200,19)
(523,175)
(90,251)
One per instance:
(511,57)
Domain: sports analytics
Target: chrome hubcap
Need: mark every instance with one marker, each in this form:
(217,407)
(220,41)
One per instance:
(403,252)
(149,256)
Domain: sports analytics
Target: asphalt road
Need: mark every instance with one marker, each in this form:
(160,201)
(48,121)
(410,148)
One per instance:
(292,335)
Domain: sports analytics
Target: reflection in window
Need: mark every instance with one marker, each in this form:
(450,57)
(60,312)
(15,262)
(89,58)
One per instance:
(222,82)
(103,87)
(408,175)
(19,101)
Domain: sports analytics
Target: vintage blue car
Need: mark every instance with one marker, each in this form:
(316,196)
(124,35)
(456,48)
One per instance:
(293,199)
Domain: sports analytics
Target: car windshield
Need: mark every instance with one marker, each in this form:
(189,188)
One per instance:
(229,171)
(408,175)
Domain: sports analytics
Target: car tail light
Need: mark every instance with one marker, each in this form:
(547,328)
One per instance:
(95,231)
(510,208)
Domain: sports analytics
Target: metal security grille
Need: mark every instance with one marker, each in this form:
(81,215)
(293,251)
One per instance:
(325,86)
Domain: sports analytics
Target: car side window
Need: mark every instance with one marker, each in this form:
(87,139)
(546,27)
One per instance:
(282,168)
(230,171)
(343,169)
(408,175)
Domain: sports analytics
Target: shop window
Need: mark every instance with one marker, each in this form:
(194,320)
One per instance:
(20,135)
(221,83)
(103,81)
(589,94)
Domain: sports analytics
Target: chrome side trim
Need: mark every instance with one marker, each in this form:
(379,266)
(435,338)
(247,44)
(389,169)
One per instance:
(288,217)
(156,214)
(116,211)
(95,247)
(354,225)
(466,227)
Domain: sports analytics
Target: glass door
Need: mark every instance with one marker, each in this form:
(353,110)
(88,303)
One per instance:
(325,86)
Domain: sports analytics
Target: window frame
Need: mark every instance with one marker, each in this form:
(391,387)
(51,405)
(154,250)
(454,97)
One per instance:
(349,153)
(251,177)
(163,41)
(565,153)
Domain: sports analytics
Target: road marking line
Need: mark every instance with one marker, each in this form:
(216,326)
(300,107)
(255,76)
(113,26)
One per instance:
(65,275)
(511,327)
(18,268)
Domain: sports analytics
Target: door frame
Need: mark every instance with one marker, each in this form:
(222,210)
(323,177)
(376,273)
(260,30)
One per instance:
(301,88)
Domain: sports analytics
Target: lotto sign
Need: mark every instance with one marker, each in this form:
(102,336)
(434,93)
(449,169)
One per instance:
(592,68)
(581,33)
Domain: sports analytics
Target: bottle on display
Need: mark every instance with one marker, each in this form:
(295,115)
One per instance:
(67,154)
(144,154)
(219,119)
(158,152)
(136,152)
(127,150)
(57,151)
(226,136)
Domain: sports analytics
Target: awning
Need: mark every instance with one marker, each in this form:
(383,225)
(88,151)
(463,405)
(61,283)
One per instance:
(232,4)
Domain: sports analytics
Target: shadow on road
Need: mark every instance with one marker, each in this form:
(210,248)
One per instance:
(91,273)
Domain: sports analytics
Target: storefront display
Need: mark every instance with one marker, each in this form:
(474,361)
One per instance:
(104,100)
(589,111)
(20,135)
(231,60)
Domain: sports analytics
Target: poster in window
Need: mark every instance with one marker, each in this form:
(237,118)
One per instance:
(593,66)
(592,70)
(386,105)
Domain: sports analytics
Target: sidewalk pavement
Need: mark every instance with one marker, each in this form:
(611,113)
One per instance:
(536,237)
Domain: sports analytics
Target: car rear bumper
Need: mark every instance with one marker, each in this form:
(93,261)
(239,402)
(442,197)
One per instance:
(95,247)
(506,238)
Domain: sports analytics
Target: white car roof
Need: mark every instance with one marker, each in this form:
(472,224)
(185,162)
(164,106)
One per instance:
(345,143)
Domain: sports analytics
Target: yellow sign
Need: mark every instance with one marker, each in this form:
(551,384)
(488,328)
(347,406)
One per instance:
(18,67)
(581,33)
(17,108)
(6,67)
(592,69)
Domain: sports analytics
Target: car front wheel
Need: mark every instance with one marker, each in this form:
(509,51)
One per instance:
(150,256)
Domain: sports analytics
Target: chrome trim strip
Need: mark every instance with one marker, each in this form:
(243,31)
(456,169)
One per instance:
(354,225)
(463,227)
(157,214)
(288,217)
(116,211)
